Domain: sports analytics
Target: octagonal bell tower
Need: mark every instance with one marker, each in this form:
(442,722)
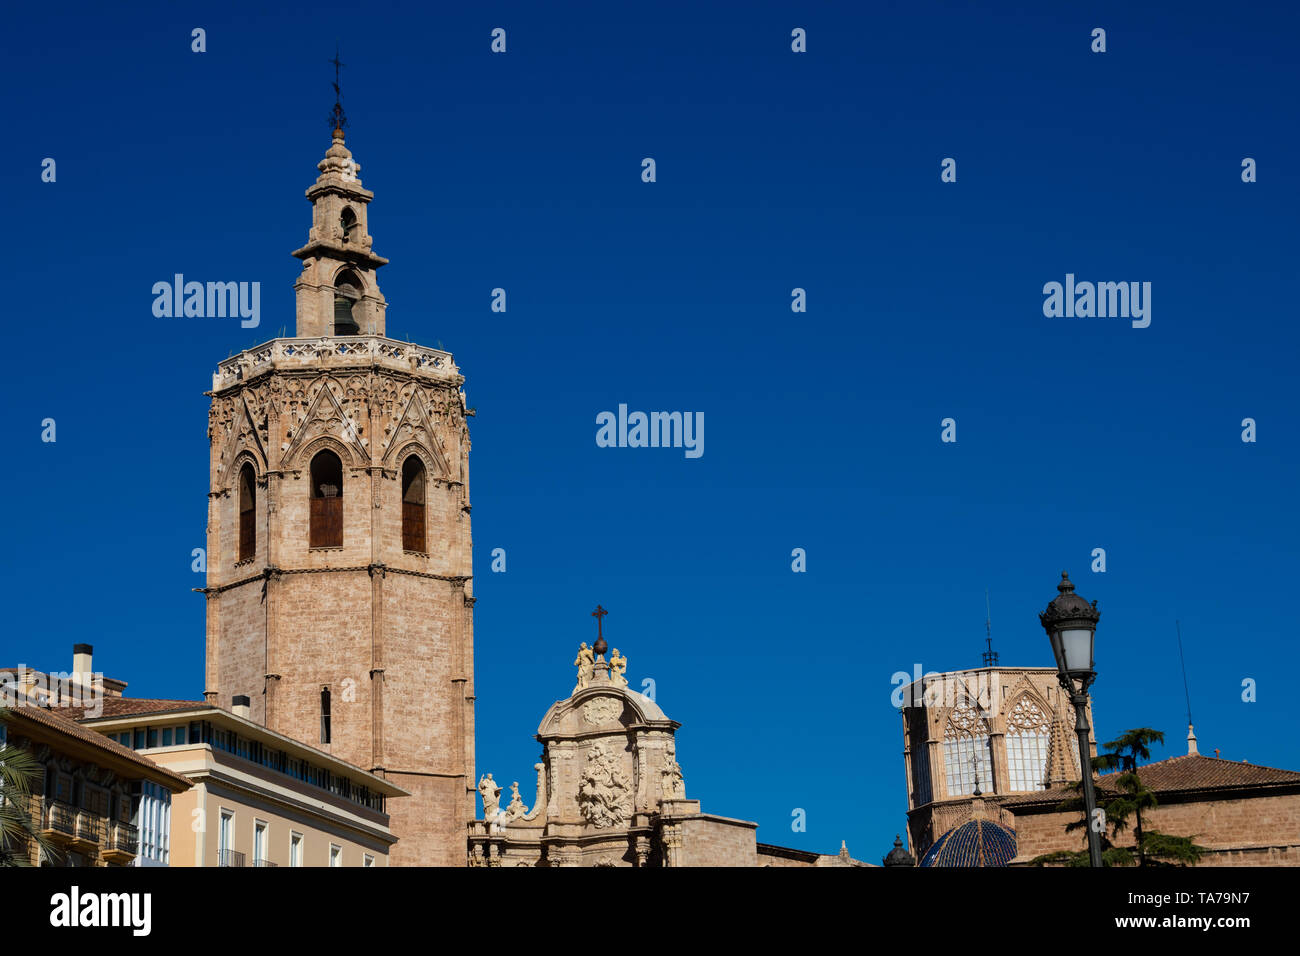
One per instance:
(339,593)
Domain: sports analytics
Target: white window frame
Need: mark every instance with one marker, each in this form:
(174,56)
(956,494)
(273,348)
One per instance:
(260,831)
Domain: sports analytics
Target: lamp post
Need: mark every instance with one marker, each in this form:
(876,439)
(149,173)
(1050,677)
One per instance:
(1071,625)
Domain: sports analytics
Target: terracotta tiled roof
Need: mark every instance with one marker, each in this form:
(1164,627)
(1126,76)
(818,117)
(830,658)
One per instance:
(1189,772)
(129,706)
(63,724)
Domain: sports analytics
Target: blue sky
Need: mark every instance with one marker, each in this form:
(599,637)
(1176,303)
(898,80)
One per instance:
(775,170)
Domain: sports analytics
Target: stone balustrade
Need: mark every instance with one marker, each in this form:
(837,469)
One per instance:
(341,351)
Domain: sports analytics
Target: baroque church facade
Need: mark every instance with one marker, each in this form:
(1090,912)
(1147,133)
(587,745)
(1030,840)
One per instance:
(339,592)
(610,791)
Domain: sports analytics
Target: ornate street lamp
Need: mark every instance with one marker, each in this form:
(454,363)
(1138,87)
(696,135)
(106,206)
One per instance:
(1071,624)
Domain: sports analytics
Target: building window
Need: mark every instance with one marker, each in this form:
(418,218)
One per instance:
(413,509)
(966,757)
(921,776)
(336,855)
(368,860)
(247,513)
(326,501)
(259,843)
(226,839)
(151,815)
(1028,737)
(324,715)
(295,849)
(347,223)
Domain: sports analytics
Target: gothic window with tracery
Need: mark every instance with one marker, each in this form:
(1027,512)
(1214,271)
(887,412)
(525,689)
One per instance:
(1028,737)
(966,756)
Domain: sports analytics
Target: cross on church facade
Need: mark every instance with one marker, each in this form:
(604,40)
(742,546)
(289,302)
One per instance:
(600,646)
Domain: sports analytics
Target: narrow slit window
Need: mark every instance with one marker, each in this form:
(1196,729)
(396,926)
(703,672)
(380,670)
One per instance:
(247,513)
(325,715)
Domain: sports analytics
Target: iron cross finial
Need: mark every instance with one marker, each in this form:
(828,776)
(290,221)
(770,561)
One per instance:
(337,119)
(600,647)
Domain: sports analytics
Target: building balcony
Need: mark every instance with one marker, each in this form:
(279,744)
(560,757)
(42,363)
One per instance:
(230,858)
(264,863)
(15,847)
(58,823)
(89,832)
(335,351)
(123,843)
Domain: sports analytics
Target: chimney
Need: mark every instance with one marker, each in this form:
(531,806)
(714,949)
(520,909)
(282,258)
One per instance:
(239,706)
(83,671)
(83,661)
(1191,740)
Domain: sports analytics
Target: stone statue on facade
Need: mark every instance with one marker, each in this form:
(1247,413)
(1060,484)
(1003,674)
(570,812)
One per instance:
(491,794)
(617,667)
(586,664)
(673,786)
(516,808)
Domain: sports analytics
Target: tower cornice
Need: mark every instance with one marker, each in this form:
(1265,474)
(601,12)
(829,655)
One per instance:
(343,352)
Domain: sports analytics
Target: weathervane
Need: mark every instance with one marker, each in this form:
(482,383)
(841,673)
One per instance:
(337,120)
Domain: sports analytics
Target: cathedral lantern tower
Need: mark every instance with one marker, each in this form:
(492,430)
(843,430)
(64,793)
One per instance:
(339,593)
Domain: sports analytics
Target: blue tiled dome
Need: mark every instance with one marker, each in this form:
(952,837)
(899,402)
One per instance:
(973,843)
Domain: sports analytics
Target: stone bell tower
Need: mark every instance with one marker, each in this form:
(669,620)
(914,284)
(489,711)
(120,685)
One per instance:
(339,594)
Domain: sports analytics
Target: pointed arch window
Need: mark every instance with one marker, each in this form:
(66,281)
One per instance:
(966,755)
(1028,737)
(326,501)
(347,304)
(413,504)
(247,513)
